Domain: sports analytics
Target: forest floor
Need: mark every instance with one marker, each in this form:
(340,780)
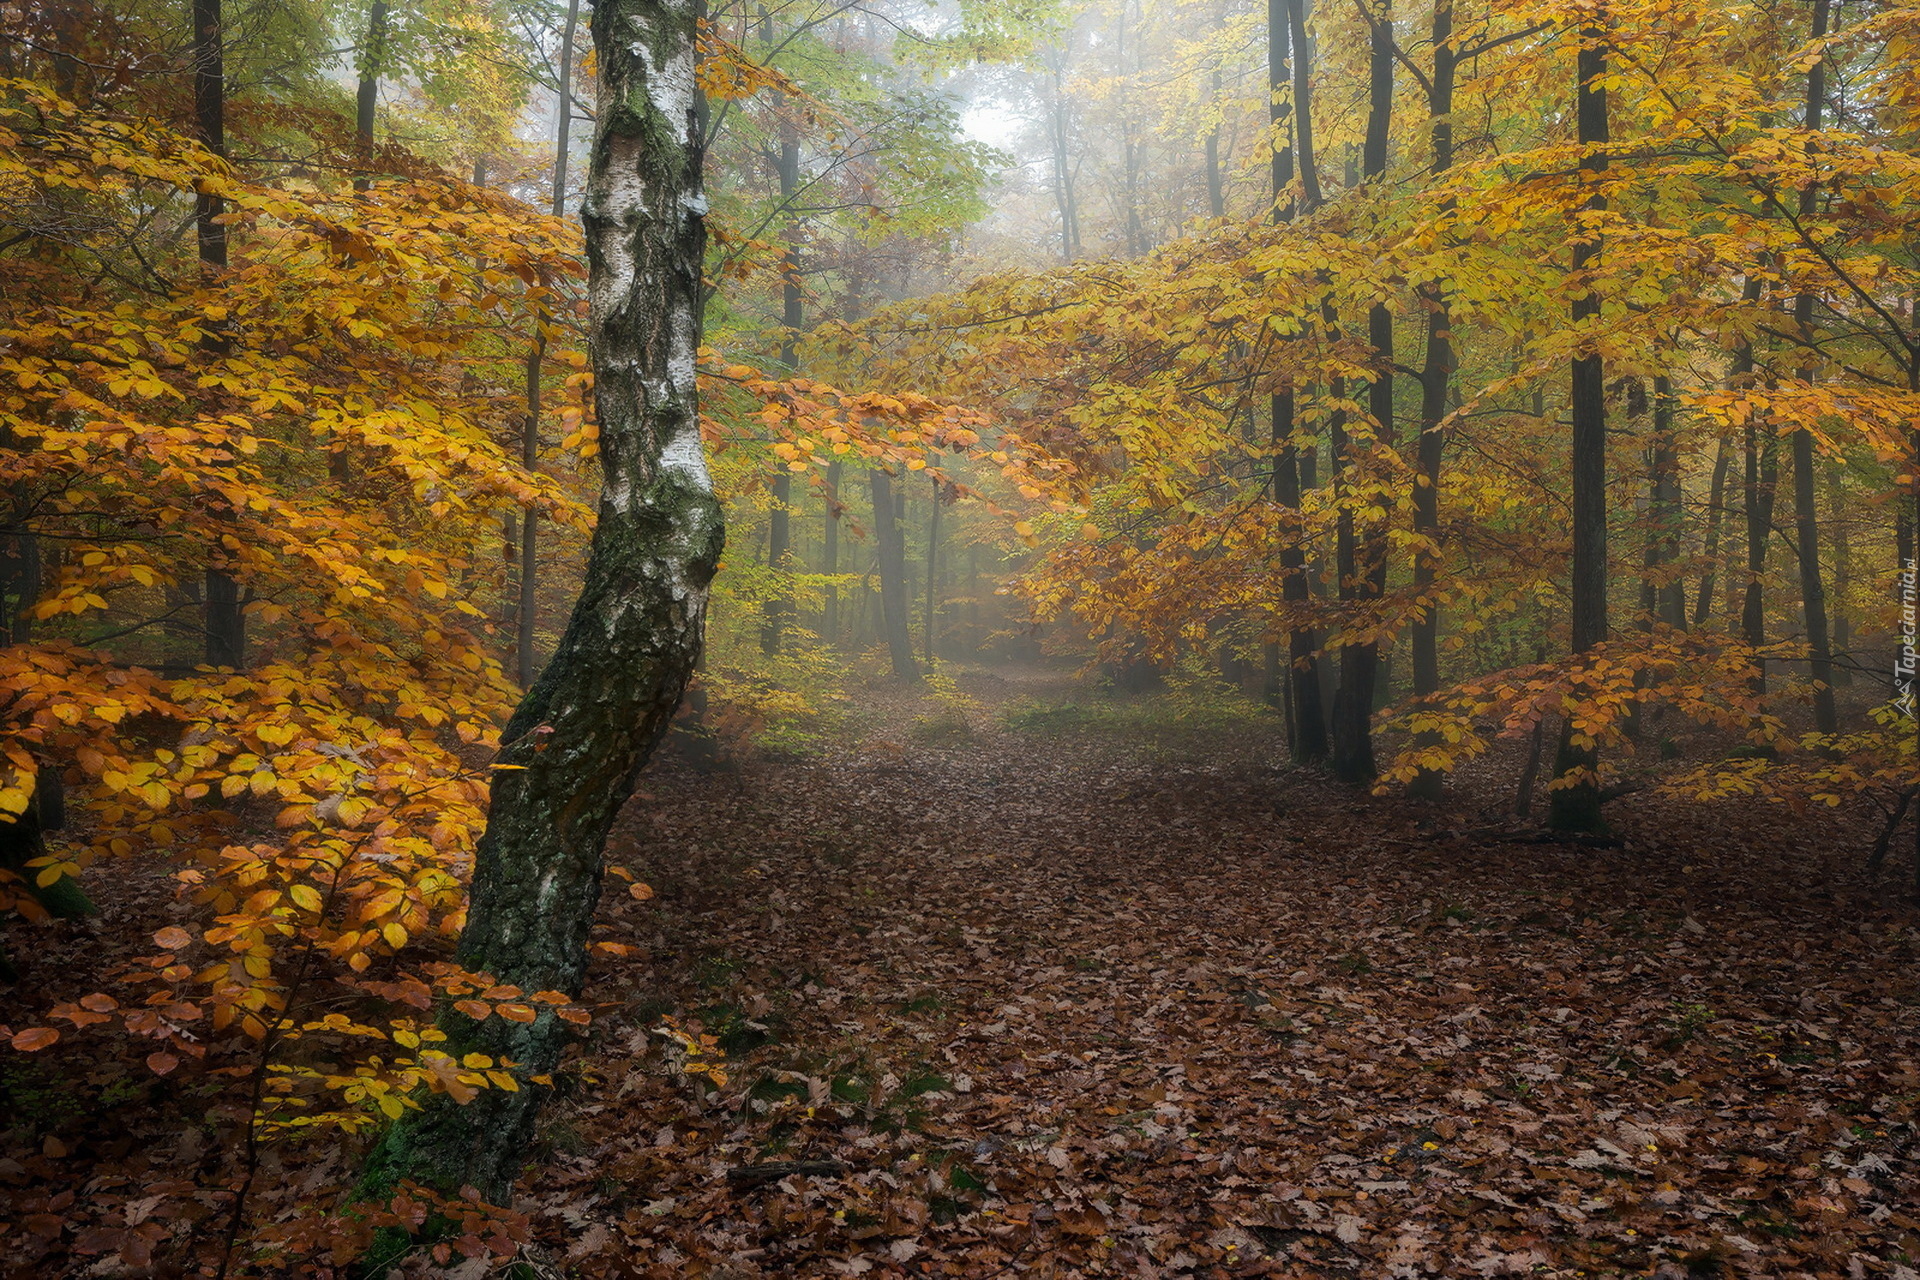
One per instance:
(1040,981)
(1060,985)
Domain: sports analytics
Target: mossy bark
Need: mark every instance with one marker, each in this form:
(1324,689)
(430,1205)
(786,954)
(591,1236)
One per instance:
(596,711)
(23,840)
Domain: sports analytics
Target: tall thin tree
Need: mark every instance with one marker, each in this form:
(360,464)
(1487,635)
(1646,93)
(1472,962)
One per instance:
(1292,124)
(777,612)
(226,623)
(373,56)
(1760,475)
(1436,381)
(890,543)
(529,607)
(366,103)
(1363,553)
(1813,592)
(1576,797)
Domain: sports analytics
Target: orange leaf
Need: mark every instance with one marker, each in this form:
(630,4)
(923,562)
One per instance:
(173,937)
(515,1012)
(34,1039)
(162,1062)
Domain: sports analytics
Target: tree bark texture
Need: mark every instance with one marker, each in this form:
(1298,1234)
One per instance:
(1813,592)
(1307,720)
(778,611)
(1577,807)
(594,714)
(1364,551)
(226,624)
(1436,381)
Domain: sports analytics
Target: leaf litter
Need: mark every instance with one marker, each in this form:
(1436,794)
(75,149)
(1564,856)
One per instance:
(1076,1005)
(1136,1002)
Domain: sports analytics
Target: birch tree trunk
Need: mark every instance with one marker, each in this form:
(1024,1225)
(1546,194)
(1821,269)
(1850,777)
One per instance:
(600,705)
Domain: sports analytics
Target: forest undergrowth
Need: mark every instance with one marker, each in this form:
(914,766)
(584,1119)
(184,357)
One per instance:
(986,986)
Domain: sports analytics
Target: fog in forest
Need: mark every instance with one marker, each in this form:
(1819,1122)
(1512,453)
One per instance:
(989,638)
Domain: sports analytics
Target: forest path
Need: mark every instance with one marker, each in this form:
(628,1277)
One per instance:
(1103,995)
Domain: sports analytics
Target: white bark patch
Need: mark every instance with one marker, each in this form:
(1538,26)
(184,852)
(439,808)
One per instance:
(681,349)
(613,285)
(670,87)
(683,454)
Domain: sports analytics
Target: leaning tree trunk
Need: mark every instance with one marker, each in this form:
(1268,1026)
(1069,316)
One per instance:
(1576,803)
(596,711)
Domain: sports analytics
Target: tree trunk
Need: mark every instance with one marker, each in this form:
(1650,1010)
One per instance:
(1436,381)
(1842,583)
(1759,471)
(22,839)
(1063,192)
(225,622)
(1576,804)
(582,733)
(1664,594)
(524,664)
(1363,553)
(1307,721)
(1216,186)
(1813,593)
(830,555)
(366,104)
(1303,102)
(933,574)
(776,615)
(1710,553)
(891,560)
(367,100)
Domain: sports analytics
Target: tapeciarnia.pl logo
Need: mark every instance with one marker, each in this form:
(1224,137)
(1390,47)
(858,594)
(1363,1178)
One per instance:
(1905,665)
